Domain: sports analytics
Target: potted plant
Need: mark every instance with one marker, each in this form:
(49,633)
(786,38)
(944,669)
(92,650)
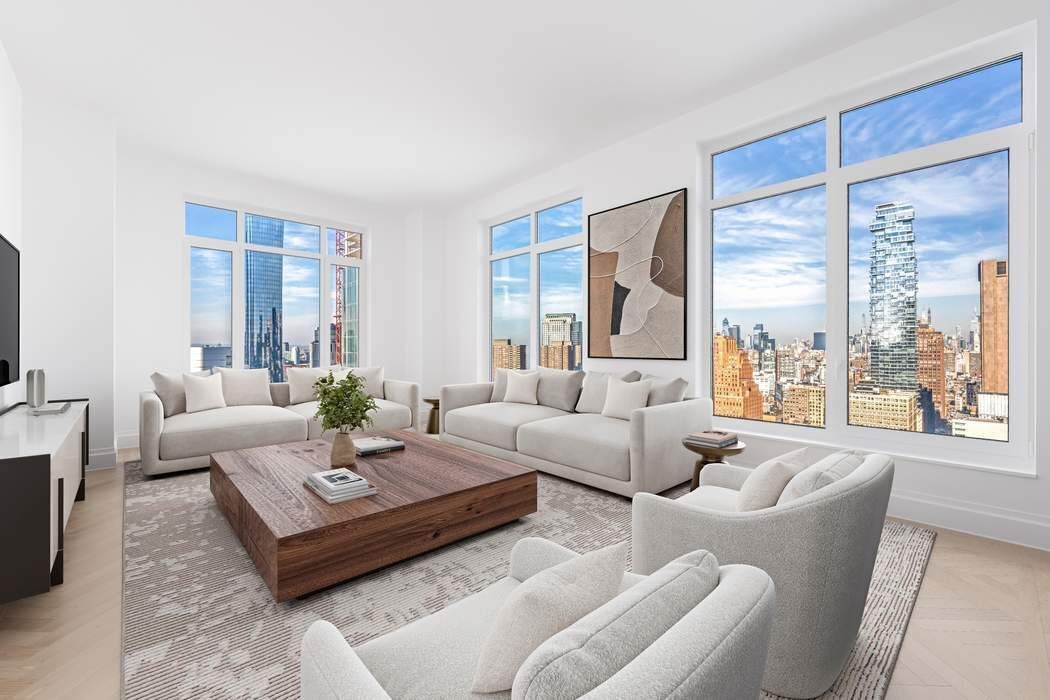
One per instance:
(343,405)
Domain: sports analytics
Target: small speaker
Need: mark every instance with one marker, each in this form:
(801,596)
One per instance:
(36,396)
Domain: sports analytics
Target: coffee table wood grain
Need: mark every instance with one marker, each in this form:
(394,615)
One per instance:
(430,494)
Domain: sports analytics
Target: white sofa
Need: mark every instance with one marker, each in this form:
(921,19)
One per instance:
(644,453)
(186,440)
(818,548)
(717,649)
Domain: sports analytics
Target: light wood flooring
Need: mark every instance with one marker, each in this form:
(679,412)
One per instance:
(981,626)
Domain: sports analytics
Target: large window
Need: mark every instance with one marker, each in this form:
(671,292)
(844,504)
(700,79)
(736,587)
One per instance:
(271,268)
(869,278)
(546,246)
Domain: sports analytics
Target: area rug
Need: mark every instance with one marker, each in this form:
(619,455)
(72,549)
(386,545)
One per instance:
(199,622)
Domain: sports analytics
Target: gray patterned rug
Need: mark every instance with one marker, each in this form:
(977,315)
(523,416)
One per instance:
(199,622)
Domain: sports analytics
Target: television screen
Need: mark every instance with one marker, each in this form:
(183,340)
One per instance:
(8,312)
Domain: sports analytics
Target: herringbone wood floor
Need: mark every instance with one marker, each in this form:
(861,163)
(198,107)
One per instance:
(980,627)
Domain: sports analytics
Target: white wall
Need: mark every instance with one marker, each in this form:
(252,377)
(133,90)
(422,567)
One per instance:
(67,261)
(11,184)
(1005,506)
(151,297)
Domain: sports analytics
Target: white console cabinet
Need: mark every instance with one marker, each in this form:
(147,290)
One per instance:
(42,461)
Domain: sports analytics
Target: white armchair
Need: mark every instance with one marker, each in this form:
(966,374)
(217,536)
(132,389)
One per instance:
(819,550)
(717,649)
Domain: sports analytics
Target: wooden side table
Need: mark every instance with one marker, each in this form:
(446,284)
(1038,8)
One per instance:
(434,419)
(709,455)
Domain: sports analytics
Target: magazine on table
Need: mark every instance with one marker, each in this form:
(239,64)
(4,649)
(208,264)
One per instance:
(340,497)
(337,485)
(712,438)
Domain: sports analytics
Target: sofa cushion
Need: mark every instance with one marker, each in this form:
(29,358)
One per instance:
(387,416)
(373,378)
(712,498)
(580,658)
(437,654)
(495,424)
(499,383)
(301,381)
(587,441)
(203,393)
(559,388)
(592,395)
(823,473)
(621,398)
(663,390)
(245,387)
(231,428)
(171,392)
(542,606)
(521,387)
(763,486)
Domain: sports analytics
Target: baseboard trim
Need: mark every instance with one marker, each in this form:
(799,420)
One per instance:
(1007,525)
(102,458)
(126,440)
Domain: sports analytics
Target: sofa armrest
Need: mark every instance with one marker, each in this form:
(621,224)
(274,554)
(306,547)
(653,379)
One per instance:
(281,394)
(725,475)
(151,425)
(532,555)
(455,396)
(330,670)
(404,393)
(658,459)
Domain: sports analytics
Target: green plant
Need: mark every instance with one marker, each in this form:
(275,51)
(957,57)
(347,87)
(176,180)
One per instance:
(343,405)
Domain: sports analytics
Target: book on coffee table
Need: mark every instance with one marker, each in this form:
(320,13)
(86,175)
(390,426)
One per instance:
(712,438)
(338,485)
(333,498)
(377,445)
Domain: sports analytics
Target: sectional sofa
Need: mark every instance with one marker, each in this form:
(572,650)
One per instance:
(173,440)
(566,434)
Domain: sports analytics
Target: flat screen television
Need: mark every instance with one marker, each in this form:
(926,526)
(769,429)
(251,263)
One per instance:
(9,371)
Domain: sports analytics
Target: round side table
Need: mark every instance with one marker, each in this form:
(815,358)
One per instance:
(434,419)
(711,454)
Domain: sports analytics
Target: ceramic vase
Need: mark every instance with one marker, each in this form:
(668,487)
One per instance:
(344,454)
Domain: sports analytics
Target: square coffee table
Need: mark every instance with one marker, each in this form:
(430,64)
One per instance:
(430,494)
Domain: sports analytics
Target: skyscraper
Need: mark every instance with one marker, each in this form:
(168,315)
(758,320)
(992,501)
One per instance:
(820,340)
(930,369)
(736,393)
(995,326)
(508,356)
(892,290)
(561,338)
(263,308)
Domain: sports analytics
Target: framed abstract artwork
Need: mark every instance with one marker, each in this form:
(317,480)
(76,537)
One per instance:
(636,304)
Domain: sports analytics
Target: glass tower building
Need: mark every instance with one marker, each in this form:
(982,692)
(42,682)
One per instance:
(893,281)
(263,308)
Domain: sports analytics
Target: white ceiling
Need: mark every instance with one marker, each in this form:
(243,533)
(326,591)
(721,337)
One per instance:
(413,101)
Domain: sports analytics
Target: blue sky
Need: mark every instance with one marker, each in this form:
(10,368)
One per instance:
(210,222)
(971,103)
(769,261)
(511,234)
(961,217)
(301,298)
(211,294)
(795,153)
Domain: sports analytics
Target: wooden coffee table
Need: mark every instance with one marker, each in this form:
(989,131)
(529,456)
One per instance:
(430,494)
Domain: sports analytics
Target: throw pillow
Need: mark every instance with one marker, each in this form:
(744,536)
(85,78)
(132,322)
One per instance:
(301,381)
(203,393)
(665,390)
(521,387)
(373,377)
(763,486)
(824,473)
(623,397)
(592,397)
(559,388)
(543,605)
(578,659)
(170,391)
(245,387)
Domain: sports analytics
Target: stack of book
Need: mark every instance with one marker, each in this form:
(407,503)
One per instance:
(338,485)
(712,438)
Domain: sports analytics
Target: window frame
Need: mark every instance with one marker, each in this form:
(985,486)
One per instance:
(533,250)
(240,247)
(1016,456)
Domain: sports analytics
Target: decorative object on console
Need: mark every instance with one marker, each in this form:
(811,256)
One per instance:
(637,279)
(36,392)
(343,405)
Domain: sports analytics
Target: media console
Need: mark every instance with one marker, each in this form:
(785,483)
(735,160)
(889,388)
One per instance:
(42,462)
